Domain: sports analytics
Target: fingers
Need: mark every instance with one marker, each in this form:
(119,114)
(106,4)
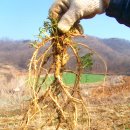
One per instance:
(68,12)
(68,20)
(65,13)
(58,9)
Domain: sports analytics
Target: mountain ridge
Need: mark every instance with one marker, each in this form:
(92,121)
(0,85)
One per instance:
(115,52)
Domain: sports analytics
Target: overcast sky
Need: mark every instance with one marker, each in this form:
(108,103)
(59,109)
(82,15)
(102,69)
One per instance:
(21,19)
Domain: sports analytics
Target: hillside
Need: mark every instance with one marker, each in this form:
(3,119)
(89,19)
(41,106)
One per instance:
(115,52)
(16,53)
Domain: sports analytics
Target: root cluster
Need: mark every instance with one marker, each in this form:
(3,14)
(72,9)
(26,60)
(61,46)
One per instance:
(55,103)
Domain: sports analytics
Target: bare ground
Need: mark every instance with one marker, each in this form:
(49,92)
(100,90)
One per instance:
(108,104)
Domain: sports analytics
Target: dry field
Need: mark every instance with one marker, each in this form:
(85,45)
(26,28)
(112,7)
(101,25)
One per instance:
(108,105)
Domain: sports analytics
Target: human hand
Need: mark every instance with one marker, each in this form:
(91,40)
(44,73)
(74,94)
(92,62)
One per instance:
(69,12)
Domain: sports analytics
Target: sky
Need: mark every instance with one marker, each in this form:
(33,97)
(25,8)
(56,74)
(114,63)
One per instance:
(21,19)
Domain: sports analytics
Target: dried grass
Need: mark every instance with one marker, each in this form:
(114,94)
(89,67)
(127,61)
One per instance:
(13,101)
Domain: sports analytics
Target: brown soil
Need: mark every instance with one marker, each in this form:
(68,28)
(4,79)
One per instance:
(108,106)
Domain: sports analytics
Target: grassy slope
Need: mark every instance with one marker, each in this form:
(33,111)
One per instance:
(69,78)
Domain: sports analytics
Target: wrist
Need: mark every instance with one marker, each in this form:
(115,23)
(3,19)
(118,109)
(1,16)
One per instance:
(103,5)
(106,3)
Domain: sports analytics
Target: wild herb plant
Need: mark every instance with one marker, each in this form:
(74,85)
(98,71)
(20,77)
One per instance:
(58,105)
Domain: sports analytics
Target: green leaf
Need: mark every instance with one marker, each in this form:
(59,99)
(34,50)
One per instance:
(87,61)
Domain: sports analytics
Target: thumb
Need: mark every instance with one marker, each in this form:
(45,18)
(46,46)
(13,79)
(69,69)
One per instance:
(68,20)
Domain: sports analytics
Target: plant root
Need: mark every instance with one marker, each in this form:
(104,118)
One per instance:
(57,104)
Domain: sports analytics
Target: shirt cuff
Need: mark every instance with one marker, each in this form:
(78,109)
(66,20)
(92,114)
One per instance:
(114,9)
